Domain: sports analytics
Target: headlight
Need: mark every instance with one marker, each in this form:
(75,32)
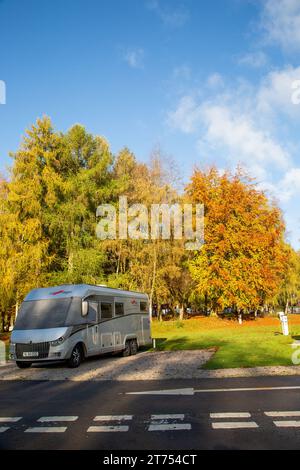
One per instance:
(58,341)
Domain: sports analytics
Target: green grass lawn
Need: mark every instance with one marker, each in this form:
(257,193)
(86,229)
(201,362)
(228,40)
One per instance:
(255,343)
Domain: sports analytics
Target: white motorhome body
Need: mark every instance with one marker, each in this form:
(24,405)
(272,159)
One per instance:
(70,322)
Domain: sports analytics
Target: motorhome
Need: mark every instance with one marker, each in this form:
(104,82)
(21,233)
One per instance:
(72,322)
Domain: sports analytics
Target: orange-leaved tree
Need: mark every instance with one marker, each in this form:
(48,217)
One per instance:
(244,258)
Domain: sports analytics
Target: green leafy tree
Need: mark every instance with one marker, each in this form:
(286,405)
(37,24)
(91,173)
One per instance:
(87,183)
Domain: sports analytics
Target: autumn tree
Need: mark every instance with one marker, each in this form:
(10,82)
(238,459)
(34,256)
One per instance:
(243,260)
(33,188)
(150,265)
(48,219)
(289,292)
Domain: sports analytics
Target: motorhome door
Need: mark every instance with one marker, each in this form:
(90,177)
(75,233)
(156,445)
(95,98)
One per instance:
(93,328)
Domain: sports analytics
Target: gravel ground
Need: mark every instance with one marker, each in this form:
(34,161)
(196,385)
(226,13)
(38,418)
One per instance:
(143,366)
(250,372)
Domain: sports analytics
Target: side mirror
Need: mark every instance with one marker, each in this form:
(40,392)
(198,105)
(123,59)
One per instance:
(84,308)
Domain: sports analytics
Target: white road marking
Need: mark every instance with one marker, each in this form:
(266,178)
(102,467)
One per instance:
(167,417)
(55,419)
(163,422)
(47,429)
(282,414)
(229,415)
(180,391)
(10,419)
(113,418)
(191,391)
(169,427)
(287,424)
(3,429)
(248,389)
(240,425)
(108,429)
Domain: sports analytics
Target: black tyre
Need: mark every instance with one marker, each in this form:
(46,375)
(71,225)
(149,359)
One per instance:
(133,347)
(127,351)
(23,365)
(76,357)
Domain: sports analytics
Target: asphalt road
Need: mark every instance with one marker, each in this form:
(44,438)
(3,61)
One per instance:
(198,414)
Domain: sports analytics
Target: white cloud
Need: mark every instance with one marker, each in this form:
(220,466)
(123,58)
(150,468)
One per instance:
(215,80)
(281,23)
(249,122)
(241,124)
(242,139)
(186,116)
(285,188)
(134,57)
(253,59)
(227,124)
(289,186)
(182,72)
(276,90)
(256,127)
(174,17)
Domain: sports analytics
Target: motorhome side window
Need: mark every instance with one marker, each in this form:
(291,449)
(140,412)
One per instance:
(93,311)
(106,310)
(143,306)
(119,308)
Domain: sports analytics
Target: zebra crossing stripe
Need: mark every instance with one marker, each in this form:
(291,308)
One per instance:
(282,414)
(113,418)
(235,425)
(56,419)
(41,429)
(108,429)
(229,415)
(3,429)
(287,424)
(167,417)
(170,427)
(10,419)
(162,422)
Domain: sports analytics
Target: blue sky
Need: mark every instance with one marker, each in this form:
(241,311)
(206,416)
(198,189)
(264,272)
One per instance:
(207,81)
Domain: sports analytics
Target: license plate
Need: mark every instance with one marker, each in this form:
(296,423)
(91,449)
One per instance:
(31,354)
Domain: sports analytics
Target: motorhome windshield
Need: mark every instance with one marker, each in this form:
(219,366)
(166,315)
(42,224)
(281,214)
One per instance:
(50,313)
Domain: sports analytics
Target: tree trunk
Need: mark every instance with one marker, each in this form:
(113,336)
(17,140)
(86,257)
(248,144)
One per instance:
(160,315)
(206,304)
(181,312)
(71,262)
(153,285)
(286,307)
(118,262)
(12,319)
